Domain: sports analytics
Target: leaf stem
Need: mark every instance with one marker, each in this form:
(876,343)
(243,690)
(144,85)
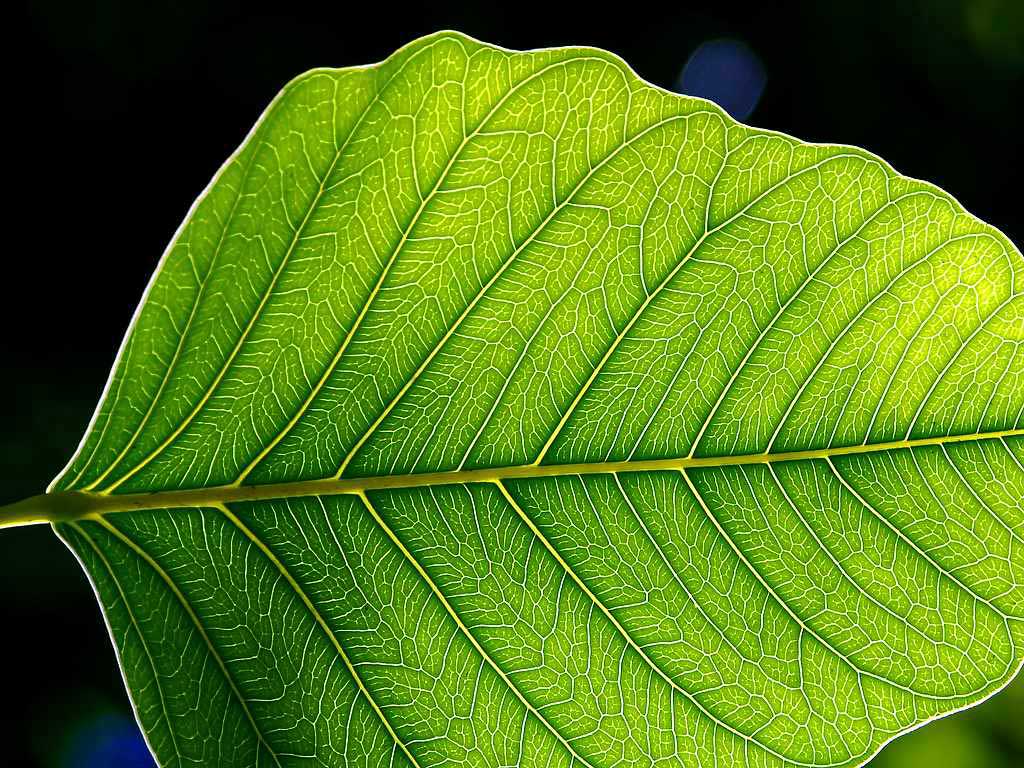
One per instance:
(57,507)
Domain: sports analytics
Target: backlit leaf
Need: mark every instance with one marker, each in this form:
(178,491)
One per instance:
(497,409)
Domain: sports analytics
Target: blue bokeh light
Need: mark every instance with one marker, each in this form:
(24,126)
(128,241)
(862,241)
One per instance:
(108,741)
(726,72)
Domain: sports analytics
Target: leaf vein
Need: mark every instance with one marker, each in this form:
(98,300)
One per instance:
(176,591)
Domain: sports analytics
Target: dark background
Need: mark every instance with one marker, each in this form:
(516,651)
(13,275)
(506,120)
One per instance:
(120,112)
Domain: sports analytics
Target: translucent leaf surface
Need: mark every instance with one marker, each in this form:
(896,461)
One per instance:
(497,409)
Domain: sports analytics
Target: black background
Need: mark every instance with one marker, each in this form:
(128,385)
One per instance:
(120,112)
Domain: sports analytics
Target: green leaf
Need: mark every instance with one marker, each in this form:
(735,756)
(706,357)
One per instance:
(498,408)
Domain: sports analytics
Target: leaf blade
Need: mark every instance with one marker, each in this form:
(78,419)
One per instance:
(871,327)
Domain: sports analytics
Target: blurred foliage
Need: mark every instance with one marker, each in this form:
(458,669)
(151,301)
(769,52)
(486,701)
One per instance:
(996,28)
(987,736)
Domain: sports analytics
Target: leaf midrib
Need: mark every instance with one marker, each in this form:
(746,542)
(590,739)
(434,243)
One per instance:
(62,506)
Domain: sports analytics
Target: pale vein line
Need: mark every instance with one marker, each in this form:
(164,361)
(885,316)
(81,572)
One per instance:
(788,303)
(702,329)
(297,236)
(1014,349)
(466,632)
(667,392)
(858,671)
(913,545)
(527,346)
(188,324)
(495,277)
(928,484)
(827,551)
(595,372)
(321,622)
(850,325)
(977,497)
(138,631)
(675,574)
(956,356)
(149,560)
(395,253)
(637,648)
(1013,456)
(107,416)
